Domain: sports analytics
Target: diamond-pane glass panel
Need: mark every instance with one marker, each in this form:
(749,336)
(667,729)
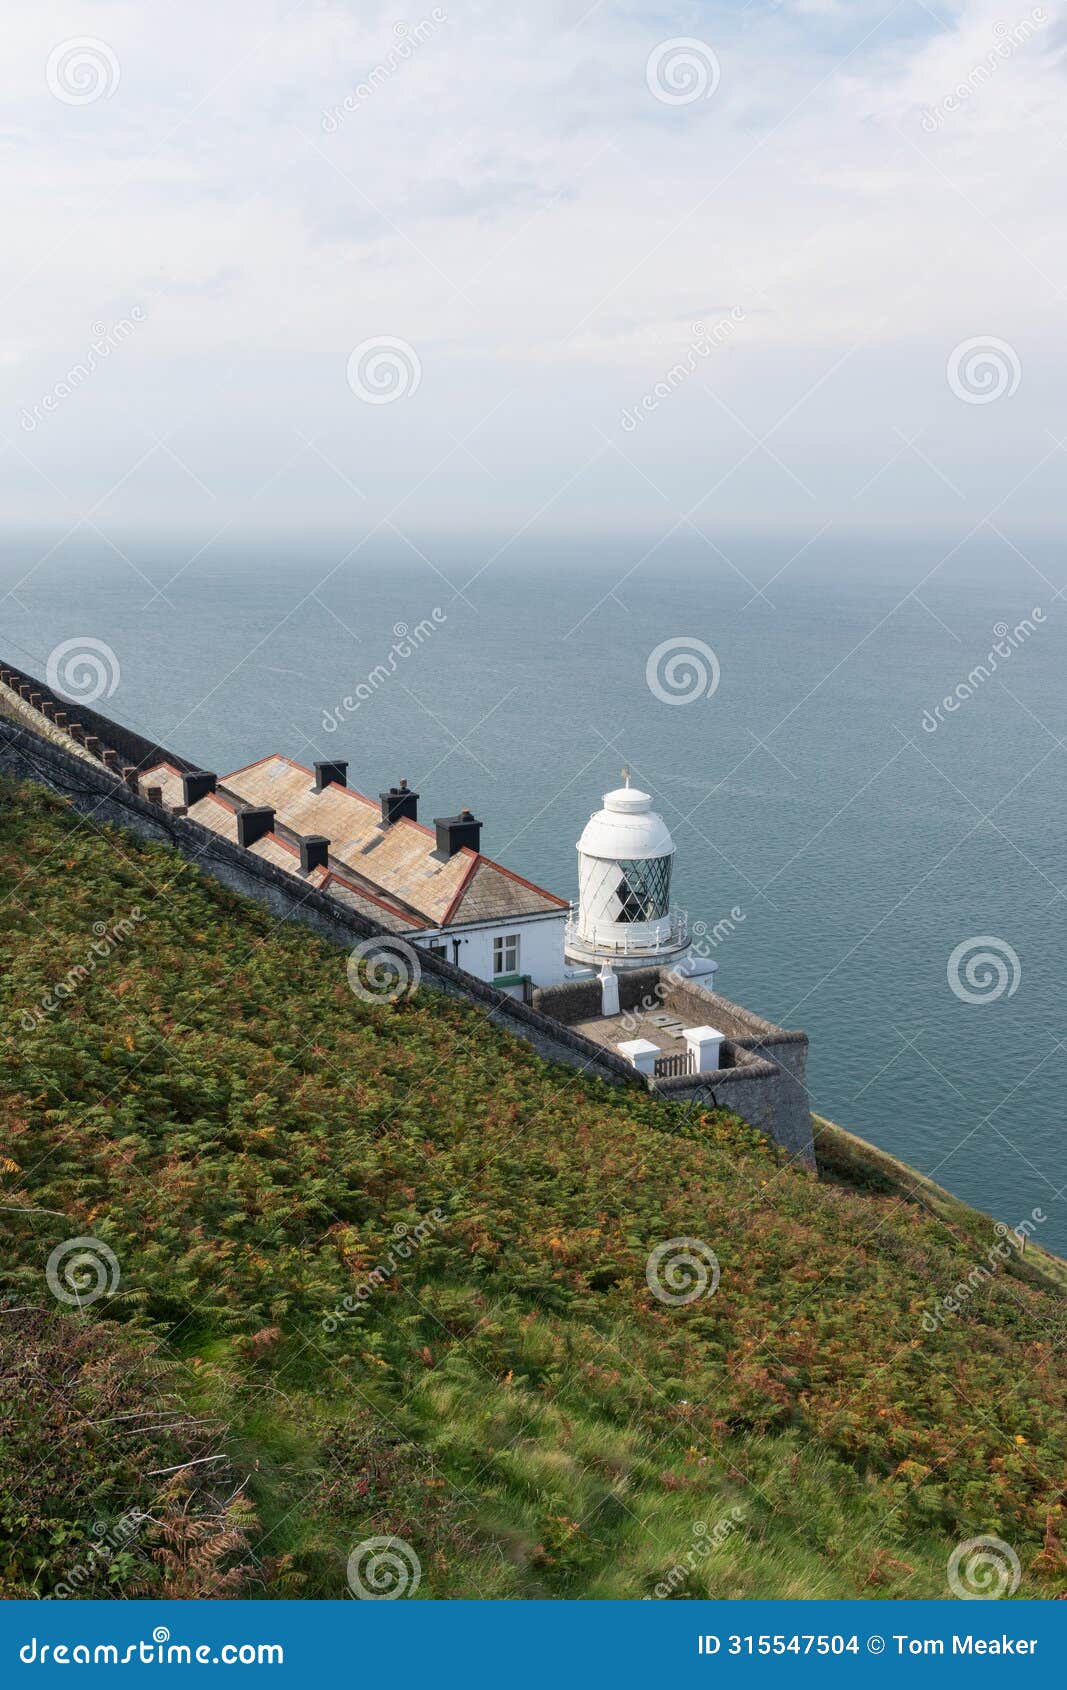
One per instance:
(644,891)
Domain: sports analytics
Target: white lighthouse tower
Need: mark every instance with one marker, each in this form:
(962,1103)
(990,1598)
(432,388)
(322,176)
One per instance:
(624,918)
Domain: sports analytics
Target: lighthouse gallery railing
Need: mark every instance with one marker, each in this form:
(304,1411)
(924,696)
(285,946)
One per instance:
(672,931)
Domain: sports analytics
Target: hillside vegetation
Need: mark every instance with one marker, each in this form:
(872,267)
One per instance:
(253,1143)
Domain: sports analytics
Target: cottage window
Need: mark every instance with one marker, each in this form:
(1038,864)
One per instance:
(506,954)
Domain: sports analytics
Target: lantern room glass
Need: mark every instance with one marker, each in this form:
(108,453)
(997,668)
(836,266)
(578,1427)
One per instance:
(644,891)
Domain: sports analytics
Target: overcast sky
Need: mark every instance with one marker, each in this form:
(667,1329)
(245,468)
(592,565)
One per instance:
(804,214)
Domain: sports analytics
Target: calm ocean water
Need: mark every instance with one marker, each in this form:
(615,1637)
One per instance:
(862,848)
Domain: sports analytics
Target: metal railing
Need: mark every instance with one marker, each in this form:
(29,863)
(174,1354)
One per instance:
(673,933)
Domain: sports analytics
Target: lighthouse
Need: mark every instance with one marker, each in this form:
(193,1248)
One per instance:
(624,918)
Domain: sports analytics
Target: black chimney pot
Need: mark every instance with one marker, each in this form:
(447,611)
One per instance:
(197,786)
(314,852)
(399,802)
(253,824)
(454,832)
(327,772)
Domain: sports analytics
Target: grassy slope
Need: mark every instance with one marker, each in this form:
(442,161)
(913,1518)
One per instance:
(247,1136)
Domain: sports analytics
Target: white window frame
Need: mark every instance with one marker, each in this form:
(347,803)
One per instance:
(507,950)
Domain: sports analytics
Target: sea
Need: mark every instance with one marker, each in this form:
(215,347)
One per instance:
(858,745)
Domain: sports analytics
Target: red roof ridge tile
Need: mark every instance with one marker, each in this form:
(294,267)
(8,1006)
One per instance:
(383,903)
(461,889)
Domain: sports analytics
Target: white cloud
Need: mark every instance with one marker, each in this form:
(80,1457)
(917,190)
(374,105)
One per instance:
(510,199)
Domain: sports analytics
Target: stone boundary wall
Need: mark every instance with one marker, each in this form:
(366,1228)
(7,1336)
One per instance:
(767,1086)
(12,704)
(93,790)
(579,1000)
(132,747)
(763,1077)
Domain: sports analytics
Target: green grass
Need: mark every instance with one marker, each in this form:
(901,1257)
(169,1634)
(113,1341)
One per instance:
(214,1104)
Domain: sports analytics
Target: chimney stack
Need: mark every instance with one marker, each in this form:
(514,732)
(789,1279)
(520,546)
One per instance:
(314,852)
(455,832)
(129,775)
(253,824)
(327,772)
(399,802)
(154,794)
(111,758)
(61,719)
(92,745)
(197,786)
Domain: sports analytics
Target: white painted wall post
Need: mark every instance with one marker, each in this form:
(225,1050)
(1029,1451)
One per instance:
(609,991)
(642,1053)
(705,1046)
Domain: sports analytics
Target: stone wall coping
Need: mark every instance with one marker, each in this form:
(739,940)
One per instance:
(760,1069)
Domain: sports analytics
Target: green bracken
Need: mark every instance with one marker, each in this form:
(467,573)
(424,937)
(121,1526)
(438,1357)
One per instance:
(383,1273)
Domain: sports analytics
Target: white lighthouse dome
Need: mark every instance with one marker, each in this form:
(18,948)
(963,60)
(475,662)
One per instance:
(624,916)
(626,828)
